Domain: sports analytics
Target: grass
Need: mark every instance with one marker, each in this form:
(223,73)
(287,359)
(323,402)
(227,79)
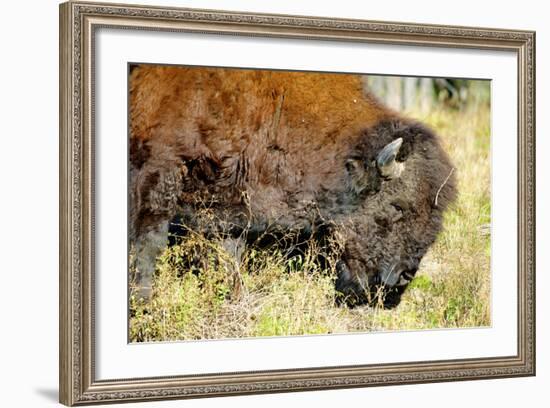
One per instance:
(276,296)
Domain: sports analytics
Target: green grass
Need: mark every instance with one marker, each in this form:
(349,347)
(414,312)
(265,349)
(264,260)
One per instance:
(451,288)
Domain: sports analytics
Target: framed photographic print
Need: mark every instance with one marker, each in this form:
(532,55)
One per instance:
(262,203)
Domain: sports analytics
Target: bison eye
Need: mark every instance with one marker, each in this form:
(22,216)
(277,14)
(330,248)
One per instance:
(397,207)
(400,212)
(400,204)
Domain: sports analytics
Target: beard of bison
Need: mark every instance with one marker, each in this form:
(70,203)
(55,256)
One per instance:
(396,184)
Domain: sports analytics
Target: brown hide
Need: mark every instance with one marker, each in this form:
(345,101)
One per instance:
(287,150)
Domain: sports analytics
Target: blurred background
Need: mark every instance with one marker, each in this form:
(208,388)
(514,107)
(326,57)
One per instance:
(422,95)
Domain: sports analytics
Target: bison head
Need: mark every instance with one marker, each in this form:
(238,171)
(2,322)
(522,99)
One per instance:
(398,182)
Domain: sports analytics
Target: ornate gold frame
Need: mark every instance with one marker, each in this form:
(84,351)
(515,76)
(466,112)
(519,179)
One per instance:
(78,22)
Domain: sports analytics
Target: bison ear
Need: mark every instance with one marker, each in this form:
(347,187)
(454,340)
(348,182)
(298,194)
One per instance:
(355,166)
(385,161)
(356,172)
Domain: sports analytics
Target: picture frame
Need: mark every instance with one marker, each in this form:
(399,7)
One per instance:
(79,24)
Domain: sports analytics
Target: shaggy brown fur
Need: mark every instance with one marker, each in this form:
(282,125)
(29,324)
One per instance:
(280,151)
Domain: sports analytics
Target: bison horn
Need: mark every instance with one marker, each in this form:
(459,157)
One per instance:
(386,162)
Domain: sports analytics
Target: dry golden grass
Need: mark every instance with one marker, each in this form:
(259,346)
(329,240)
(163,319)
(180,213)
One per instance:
(451,288)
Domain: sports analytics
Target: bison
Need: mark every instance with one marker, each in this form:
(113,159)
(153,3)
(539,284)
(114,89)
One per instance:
(279,151)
